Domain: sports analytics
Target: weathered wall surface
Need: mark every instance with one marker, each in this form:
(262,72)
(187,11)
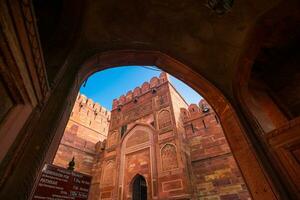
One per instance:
(215,171)
(88,124)
(179,149)
(199,42)
(143,139)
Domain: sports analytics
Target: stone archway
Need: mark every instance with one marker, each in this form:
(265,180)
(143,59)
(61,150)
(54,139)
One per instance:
(67,89)
(264,89)
(244,154)
(145,147)
(139,188)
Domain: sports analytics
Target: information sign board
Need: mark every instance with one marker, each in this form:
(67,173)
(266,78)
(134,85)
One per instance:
(57,183)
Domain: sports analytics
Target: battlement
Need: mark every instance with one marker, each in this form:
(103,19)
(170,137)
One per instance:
(194,110)
(144,88)
(88,103)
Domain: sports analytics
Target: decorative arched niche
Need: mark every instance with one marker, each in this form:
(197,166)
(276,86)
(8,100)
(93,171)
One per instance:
(168,155)
(108,173)
(140,135)
(138,140)
(164,119)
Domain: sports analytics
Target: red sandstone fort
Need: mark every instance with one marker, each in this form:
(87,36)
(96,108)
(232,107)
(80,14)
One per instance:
(242,56)
(152,144)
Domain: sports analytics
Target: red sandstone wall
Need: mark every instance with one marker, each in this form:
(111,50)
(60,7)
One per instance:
(216,175)
(181,151)
(96,172)
(88,124)
(159,159)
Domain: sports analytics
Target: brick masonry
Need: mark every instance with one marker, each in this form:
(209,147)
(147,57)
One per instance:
(215,171)
(87,126)
(179,149)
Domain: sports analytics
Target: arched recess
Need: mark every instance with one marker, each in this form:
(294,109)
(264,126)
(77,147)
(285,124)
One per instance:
(247,160)
(108,173)
(164,119)
(168,154)
(139,183)
(138,139)
(267,88)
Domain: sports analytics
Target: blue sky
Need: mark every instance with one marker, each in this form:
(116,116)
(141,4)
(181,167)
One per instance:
(106,85)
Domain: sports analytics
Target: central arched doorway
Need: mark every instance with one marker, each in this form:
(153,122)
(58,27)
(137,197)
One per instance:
(139,188)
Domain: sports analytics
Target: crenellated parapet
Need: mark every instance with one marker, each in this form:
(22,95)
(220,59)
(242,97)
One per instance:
(195,110)
(85,103)
(85,135)
(138,91)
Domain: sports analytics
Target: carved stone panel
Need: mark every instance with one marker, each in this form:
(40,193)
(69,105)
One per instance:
(112,139)
(108,173)
(165,135)
(138,137)
(172,185)
(115,120)
(162,100)
(164,119)
(138,162)
(135,113)
(169,157)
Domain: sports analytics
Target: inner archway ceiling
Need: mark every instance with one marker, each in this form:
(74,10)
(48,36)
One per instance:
(188,31)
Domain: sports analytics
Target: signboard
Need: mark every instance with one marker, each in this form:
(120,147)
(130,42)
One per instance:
(57,183)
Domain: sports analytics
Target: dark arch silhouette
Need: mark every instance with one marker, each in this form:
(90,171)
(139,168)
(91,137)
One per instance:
(67,91)
(139,188)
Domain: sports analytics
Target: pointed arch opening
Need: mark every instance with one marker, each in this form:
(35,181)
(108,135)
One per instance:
(139,188)
(232,128)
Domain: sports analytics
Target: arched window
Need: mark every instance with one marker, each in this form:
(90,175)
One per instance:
(164,119)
